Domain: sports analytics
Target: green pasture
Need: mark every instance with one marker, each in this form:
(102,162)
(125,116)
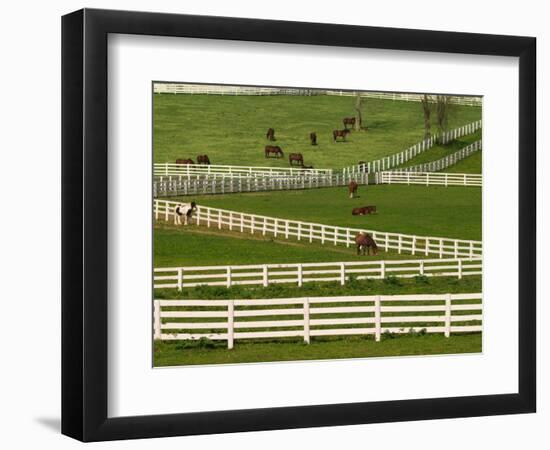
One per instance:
(440,151)
(471,164)
(231,129)
(453,212)
(186,353)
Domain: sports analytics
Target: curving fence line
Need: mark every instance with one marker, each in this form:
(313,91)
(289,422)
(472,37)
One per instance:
(170,169)
(307,317)
(300,273)
(324,234)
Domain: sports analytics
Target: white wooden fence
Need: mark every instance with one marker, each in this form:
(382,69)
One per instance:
(430,178)
(176,185)
(172,169)
(308,317)
(400,158)
(325,234)
(447,161)
(300,273)
(183,88)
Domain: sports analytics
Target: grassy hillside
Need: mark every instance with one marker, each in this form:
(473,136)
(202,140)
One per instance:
(231,129)
(453,212)
(471,164)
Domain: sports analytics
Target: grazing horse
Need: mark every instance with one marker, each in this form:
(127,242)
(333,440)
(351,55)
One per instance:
(184,161)
(364,242)
(296,157)
(270,135)
(203,159)
(364,210)
(348,121)
(273,150)
(352,188)
(340,133)
(184,210)
(313,138)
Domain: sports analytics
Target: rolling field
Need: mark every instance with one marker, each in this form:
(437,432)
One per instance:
(231,129)
(453,212)
(471,164)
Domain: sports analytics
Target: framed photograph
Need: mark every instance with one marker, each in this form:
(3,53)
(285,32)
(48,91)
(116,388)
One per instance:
(273,225)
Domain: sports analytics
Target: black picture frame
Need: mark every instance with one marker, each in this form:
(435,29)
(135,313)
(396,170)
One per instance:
(84,224)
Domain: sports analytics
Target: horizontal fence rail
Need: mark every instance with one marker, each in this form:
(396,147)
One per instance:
(179,88)
(307,317)
(447,161)
(430,178)
(166,169)
(176,185)
(300,273)
(400,158)
(324,234)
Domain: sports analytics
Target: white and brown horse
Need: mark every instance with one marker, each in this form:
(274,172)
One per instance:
(184,210)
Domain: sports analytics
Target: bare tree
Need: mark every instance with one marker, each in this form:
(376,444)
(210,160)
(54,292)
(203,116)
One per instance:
(443,108)
(358,116)
(427,108)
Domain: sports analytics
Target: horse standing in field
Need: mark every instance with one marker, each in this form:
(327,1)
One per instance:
(364,210)
(364,242)
(313,138)
(270,135)
(184,161)
(203,159)
(348,121)
(340,133)
(184,210)
(273,150)
(352,188)
(296,157)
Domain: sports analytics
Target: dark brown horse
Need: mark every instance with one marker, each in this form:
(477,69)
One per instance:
(364,210)
(273,150)
(203,159)
(313,138)
(184,161)
(352,188)
(296,157)
(270,135)
(340,133)
(364,242)
(349,121)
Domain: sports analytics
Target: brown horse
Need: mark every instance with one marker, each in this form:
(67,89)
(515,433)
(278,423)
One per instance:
(364,242)
(203,159)
(348,121)
(313,138)
(352,188)
(340,133)
(273,150)
(270,135)
(184,161)
(296,157)
(364,210)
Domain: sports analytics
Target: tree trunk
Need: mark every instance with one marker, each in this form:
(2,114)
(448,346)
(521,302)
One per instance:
(358,117)
(426,107)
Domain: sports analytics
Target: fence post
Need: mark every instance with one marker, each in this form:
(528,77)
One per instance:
(459,269)
(180,278)
(382,269)
(446,180)
(228,276)
(441,248)
(447,315)
(348,237)
(156,210)
(230,221)
(252,224)
(166,208)
(421,267)
(265,275)
(377,318)
(157,321)
(413,245)
(219,220)
(399,239)
(322,234)
(299,230)
(306,321)
(342,273)
(299,269)
(242,223)
(230,323)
